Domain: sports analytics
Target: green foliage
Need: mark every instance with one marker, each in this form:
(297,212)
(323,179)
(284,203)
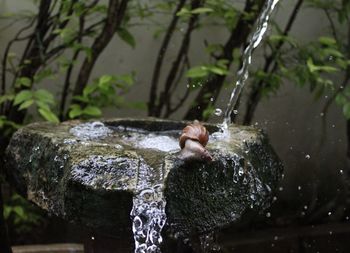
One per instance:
(21,214)
(343,100)
(201,71)
(43,100)
(127,37)
(101,93)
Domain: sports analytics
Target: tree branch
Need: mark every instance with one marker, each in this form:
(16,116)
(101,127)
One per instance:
(67,81)
(181,54)
(160,58)
(169,108)
(115,15)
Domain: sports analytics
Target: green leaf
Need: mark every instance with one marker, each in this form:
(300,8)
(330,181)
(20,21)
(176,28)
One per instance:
(105,79)
(83,99)
(127,78)
(44,96)
(89,89)
(197,72)
(7,211)
(217,70)
(201,10)
(328,41)
(346,110)
(19,211)
(126,36)
(340,99)
(23,96)
(8,97)
(314,68)
(75,111)
(42,105)
(26,104)
(48,115)
(23,81)
(92,111)
(183,12)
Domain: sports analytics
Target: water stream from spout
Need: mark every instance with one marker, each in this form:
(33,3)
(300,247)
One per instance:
(243,73)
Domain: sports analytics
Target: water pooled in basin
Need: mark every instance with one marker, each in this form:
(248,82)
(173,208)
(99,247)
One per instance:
(242,75)
(165,141)
(162,143)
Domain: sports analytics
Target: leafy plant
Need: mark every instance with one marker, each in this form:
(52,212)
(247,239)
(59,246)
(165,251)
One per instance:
(22,215)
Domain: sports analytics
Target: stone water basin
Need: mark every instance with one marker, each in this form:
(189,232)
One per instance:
(93,173)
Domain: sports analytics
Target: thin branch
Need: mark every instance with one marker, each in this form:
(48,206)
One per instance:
(86,32)
(175,66)
(331,22)
(7,50)
(67,82)
(160,58)
(169,109)
(59,26)
(115,16)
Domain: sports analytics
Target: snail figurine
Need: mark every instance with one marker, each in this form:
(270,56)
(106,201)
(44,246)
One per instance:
(192,141)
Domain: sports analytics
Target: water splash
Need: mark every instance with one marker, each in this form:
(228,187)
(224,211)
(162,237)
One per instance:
(148,219)
(90,131)
(148,212)
(243,73)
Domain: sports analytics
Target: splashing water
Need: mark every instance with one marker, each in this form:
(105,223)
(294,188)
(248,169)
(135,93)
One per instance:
(243,73)
(148,213)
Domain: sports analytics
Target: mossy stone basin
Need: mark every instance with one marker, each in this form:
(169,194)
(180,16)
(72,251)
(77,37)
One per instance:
(89,173)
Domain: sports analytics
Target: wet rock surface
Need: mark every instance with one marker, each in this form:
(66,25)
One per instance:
(91,172)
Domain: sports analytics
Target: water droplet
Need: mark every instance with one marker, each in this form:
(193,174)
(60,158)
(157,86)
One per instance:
(280,189)
(92,238)
(307,156)
(330,232)
(275,238)
(299,188)
(305,207)
(329,213)
(341,171)
(218,112)
(268,214)
(274,198)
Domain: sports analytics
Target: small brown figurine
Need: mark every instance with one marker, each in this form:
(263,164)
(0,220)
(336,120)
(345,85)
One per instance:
(192,141)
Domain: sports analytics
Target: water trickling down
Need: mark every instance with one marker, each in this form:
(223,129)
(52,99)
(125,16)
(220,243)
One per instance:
(148,212)
(242,75)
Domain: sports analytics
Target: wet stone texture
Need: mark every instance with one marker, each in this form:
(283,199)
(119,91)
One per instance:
(90,173)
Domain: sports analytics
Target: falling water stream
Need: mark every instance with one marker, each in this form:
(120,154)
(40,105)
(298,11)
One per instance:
(148,212)
(243,73)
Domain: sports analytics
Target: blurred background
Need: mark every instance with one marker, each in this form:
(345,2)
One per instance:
(178,59)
